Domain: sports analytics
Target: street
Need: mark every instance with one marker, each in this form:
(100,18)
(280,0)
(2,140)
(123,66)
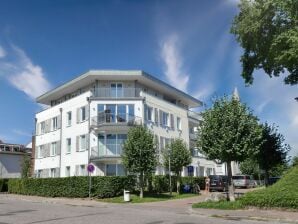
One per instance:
(16,209)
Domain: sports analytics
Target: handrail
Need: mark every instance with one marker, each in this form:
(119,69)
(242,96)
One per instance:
(117,92)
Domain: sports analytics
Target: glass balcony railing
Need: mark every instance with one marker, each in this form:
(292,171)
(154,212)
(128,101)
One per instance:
(105,118)
(117,92)
(107,151)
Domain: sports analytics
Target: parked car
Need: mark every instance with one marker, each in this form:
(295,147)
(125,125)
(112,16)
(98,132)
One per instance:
(243,181)
(273,180)
(218,183)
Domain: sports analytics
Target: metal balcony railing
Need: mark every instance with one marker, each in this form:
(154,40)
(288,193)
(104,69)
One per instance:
(117,92)
(105,118)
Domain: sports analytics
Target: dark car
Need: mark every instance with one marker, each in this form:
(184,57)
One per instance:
(273,180)
(218,183)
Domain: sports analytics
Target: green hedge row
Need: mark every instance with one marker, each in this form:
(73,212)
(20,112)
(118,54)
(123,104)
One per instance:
(3,185)
(102,187)
(160,183)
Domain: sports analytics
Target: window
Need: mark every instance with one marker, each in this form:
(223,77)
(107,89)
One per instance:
(68,145)
(83,113)
(115,170)
(40,150)
(165,119)
(53,172)
(178,123)
(83,142)
(43,127)
(67,171)
(111,144)
(68,118)
(150,113)
(53,149)
(82,170)
(39,173)
(116,90)
(54,123)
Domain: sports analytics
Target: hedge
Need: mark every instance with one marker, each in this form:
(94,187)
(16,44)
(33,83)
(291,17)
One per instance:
(160,183)
(3,185)
(102,186)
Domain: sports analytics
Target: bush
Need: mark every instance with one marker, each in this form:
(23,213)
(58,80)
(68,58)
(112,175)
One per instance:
(3,185)
(102,187)
(282,194)
(161,183)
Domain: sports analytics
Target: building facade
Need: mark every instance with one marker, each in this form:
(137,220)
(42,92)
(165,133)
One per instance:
(88,119)
(11,158)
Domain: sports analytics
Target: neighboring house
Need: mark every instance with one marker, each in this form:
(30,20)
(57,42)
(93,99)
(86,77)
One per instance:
(89,117)
(11,157)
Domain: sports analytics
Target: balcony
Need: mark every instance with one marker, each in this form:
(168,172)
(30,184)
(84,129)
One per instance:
(112,121)
(117,92)
(106,153)
(194,116)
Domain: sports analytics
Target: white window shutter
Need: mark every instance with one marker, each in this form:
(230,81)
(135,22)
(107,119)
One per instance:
(160,117)
(78,115)
(77,170)
(172,121)
(145,112)
(87,112)
(59,122)
(57,172)
(78,143)
(58,147)
(37,128)
(87,142)
(156,116)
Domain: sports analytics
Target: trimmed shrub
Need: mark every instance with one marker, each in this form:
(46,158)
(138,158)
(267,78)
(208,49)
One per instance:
(3,185)
(282,194)
(71,186)
(161,183)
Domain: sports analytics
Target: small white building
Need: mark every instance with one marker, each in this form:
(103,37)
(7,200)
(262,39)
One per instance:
(89,117)
(11,158)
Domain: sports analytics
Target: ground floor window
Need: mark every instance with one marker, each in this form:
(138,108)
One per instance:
(67,171)
(115,170)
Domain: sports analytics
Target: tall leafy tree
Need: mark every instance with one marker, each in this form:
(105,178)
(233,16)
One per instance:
(250,167)
(229,132)
(178,156)
(26,166)
(139,153)
(273,150)
(267,30)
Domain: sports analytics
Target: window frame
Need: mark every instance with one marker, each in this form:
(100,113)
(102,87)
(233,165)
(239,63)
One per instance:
(68,146)
(85,139)
(54,123)
(53,150)
(69,119)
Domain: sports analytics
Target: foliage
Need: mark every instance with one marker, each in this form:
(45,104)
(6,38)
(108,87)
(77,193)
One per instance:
(273,151)
(295,161)
(3,185)
(161,183)
(102,187)
(282,194)
(148,197)
(139,153)
(229,132)
(267,30)
(26,166)
(224,205)
(178,154)
(250,167)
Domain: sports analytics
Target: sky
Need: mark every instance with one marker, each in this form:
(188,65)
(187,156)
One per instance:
(185,43)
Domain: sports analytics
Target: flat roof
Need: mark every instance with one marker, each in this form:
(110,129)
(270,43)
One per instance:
(117,75)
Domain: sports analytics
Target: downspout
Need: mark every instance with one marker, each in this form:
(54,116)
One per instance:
(60,162)
(89,146)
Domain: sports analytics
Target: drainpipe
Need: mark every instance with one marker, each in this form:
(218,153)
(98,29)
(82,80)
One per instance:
(60,141)
(89,147)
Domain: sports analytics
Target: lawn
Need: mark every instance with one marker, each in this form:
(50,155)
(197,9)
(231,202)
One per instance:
(148,197)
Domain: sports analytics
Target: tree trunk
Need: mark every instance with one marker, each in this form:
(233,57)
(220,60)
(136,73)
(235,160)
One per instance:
(230,182)
(178,183)
(266,178)
(141,185)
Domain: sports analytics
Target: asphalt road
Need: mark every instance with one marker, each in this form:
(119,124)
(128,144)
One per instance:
(22,210)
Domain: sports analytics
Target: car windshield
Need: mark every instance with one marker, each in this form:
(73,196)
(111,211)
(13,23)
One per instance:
(238,177)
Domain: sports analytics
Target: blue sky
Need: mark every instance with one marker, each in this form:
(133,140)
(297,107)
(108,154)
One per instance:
(185,43)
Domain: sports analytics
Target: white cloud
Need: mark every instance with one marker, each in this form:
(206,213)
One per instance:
(23,74)
(2,52)
(173,63)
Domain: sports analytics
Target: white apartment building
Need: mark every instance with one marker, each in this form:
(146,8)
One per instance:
(88,119)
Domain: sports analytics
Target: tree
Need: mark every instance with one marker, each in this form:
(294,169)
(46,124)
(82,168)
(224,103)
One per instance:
(295,161)
(229,132)
(250,167)
(178,155)
(267,30)
(26,166)
(273,151)
(139,153)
